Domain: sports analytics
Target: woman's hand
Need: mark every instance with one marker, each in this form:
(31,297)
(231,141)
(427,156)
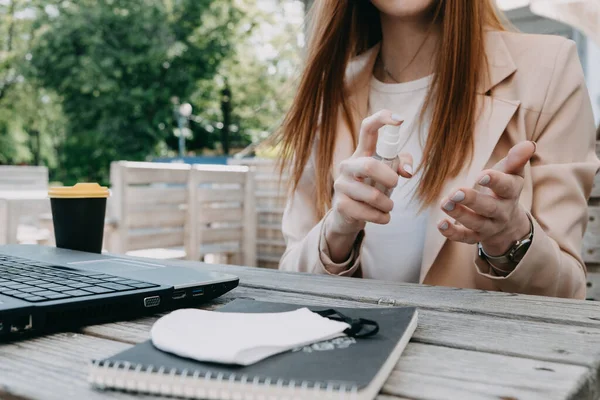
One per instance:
(354,202)
(494,216)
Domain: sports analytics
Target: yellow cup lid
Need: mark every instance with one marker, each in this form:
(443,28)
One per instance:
(79,191)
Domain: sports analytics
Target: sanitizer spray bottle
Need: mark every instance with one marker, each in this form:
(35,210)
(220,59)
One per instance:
(388,146)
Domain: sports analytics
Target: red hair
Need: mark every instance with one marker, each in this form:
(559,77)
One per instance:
(343,29)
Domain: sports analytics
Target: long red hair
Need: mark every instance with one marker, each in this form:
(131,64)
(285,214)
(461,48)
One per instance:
(343,29)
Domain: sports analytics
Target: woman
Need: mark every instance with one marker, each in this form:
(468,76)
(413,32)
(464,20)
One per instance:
(498,158)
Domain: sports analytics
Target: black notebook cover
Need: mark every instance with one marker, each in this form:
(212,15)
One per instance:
(342,361)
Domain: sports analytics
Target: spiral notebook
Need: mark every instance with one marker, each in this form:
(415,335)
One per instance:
(340,368)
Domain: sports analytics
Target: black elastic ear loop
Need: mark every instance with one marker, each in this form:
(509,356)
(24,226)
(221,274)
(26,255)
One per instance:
(357,325)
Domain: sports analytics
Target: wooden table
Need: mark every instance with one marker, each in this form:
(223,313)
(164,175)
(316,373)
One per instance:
(17,203)
(469,344)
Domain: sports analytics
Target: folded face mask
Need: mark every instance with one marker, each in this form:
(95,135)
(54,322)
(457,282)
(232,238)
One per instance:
(240,338)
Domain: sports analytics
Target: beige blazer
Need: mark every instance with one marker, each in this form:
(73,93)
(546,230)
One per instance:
(535,91)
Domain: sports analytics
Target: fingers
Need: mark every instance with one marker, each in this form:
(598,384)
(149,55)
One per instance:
(457,233)
(367,139)
(479,215)
(361,192)
(405,169)
(481,203)
(367,167)
(505,186)
(467,217)
(354,210)
(516,159)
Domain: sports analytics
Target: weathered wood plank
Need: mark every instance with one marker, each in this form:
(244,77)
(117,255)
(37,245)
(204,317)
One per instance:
(17,177)
(219,174)
(474,375)
(596,187)
(140,173)
(141,195)
(4,231)
(230,214)
(269,257)
(249,218)
(425,371)
(54,367)
(220,248)
(591,247)
(208,195)
(593,219)
(428,371)
(216,235)
(271,210)
(509,305)
(271,176)
(535,340)
(271,242)
(593,283)
(156,218)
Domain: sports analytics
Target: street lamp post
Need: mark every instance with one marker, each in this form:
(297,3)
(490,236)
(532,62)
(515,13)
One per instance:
(184,113)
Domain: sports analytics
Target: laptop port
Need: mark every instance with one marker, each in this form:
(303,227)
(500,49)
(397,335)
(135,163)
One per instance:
(21,324)
(1,326)
(151,301)
(179,294)
(197,292)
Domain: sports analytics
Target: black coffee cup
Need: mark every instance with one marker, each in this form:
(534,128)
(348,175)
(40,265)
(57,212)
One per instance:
(78,216)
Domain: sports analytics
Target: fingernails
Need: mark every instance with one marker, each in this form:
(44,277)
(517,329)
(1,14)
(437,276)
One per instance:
(534,146)
(397,117)
(408,168)
(485,180)
(449,206)
(458,196)
(444,226)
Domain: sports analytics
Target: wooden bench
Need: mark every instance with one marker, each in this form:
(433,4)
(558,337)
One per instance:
(23,192)
(148,206)
(16,177)
(221,214)
(270,192)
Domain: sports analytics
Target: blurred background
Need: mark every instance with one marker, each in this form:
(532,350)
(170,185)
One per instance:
(86,82)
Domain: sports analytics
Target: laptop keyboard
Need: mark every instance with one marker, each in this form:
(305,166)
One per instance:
(37,282)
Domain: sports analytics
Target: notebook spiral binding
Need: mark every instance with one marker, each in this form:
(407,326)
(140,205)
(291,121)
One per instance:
(137,378)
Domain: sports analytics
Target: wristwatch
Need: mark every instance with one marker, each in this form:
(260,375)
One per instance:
(513,256)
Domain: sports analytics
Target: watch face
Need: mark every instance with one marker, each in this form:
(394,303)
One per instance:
(520,251)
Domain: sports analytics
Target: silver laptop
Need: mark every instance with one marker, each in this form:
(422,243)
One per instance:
(45,289)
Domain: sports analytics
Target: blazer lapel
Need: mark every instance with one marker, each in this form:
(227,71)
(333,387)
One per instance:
(494,114)
(494,117)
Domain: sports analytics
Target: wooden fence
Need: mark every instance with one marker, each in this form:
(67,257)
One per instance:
(591,240)
(270,190)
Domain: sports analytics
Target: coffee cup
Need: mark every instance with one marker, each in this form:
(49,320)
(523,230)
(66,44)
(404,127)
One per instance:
(78,216)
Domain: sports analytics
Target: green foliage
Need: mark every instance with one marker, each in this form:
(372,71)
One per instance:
(117,64)
(31,121)
(259,72)
(87,82)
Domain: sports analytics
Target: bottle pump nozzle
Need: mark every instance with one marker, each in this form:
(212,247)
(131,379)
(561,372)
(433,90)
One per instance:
(388,142)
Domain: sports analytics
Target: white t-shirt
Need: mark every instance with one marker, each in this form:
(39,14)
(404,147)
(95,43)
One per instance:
(394,251)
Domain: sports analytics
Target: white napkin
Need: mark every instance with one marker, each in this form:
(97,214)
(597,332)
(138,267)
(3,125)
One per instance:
(240,338)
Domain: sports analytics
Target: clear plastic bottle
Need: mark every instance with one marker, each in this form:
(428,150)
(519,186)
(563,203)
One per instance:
(388,146)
